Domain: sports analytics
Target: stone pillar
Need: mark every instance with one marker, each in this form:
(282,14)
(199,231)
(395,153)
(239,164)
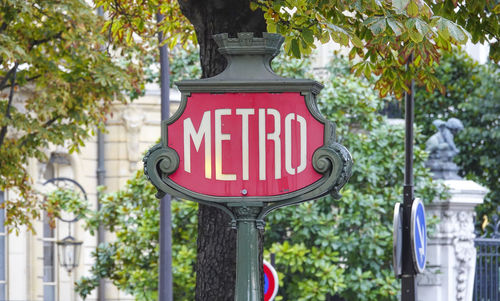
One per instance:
(451,255)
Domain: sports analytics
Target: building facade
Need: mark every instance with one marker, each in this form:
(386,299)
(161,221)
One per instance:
(29,267)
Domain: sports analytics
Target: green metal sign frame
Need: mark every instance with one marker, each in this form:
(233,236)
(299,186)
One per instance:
(249,71)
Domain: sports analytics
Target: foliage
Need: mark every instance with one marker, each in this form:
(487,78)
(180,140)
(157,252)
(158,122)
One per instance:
(128,18)
(343,247)
(184,63)
(382,33)
(131,261)
(472,95)
(123,211)
(59,201)
(323,248)
(292,67)
(385,33)
(56,85)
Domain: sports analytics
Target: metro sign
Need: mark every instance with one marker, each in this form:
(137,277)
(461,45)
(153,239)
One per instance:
(248,141)
(248,135)
(245,144)
(269,147)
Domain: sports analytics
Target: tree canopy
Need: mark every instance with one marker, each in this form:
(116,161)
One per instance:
(57,82)
(381,34)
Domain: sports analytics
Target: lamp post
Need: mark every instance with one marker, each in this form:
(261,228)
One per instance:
(69,248)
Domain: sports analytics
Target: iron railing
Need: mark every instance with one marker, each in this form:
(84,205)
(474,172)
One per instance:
(487,277)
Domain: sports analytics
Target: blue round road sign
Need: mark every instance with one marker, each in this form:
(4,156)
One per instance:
(418,235)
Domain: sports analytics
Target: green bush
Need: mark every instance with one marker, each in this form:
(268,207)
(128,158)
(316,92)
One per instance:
(131,260)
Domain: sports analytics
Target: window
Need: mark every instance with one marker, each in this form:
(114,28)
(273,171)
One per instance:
(3,252)
(49,261)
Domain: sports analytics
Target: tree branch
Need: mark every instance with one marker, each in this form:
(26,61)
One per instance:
(45,125)
(41,41)
(27,80)
(3,131)
(6,78)
(3,26)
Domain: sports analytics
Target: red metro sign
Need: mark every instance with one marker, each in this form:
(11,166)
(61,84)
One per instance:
(245,144)
(248,135)
(248,141)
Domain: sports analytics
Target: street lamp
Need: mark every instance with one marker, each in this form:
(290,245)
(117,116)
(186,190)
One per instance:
(68,248)
(69,252)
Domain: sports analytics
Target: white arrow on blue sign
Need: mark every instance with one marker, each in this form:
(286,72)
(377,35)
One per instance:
(418,235)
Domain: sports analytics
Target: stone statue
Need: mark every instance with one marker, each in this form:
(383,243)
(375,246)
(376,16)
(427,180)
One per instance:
(442,149)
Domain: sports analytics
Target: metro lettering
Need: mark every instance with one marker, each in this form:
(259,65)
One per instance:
(251,120)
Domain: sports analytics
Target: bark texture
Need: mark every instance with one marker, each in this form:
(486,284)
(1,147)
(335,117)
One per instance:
(210,17)
(216,259)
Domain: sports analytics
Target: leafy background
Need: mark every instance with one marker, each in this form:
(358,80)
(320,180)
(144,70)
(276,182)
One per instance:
(324,249)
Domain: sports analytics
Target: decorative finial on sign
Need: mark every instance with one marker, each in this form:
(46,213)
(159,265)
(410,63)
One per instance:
(249,53)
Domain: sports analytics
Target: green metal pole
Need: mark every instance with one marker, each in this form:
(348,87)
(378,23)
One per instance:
(248,286)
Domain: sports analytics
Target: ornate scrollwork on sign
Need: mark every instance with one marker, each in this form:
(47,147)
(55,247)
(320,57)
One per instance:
(336,160)
(159,162)
(246,212)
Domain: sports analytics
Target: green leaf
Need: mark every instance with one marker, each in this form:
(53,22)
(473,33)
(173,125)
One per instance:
(412,9)
(400,5)
(356,41)
(496,9)
(271,27)
(395,26)
(421,27)
(377,25)
(415,35)
(253,5)
(441,25)
(295,48)
(308,36)
(456,32)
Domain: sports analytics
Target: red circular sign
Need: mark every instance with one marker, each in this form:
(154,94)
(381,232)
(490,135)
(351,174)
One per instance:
(270,282)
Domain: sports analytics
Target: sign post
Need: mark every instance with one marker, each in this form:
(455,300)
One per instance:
(411,212)
(248,141)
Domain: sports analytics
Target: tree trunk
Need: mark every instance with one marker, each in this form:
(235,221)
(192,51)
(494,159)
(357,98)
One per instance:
(216,260)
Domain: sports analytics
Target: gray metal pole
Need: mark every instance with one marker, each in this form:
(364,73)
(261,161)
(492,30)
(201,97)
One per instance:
(101,173)
(165,286)
(408,277)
